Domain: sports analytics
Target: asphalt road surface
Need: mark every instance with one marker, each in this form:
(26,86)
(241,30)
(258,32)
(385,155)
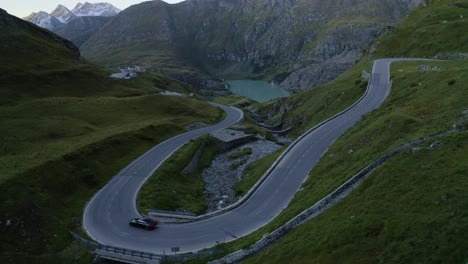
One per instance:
(107,215)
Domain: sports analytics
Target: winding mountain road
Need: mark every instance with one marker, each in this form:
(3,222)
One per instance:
(107,214)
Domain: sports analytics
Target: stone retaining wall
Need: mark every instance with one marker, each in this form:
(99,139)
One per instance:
(193,164)
(224,146)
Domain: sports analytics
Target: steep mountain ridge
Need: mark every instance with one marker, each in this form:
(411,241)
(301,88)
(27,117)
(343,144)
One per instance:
(279,41)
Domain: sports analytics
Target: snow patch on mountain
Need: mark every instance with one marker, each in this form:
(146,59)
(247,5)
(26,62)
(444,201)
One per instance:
(98,9)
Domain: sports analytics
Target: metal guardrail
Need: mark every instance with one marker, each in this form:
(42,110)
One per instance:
(170,212)
(122,251)
(193,256)
(129,252)
(141,254)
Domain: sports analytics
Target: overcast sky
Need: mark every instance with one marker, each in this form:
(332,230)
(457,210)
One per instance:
(22,8)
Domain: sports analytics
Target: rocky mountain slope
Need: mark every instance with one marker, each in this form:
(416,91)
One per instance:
(297,43)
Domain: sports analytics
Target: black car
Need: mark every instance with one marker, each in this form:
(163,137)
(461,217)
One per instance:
(146,223)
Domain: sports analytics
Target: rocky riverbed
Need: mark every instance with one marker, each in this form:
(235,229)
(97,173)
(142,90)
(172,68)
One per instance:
(225,172)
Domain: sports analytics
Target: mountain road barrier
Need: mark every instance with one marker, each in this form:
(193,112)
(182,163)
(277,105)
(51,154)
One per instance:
(328,201)
(107,214)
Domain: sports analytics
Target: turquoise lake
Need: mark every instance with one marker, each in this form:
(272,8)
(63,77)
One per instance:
(259,91)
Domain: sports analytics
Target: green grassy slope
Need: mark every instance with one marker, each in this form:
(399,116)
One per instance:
(44,129)
(311,107)
(438,28)
(66,129)
(169,189)
(254,171)
(412,209)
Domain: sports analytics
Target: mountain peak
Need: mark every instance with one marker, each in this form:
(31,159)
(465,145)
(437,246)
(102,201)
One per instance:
(30,16)
(63,14)
(60,9)
(78,6)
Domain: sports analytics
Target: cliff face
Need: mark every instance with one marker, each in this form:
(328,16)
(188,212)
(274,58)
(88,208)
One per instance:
(298,43)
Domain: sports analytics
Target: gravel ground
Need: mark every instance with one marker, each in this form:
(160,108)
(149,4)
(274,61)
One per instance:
(284,140)
(225,172)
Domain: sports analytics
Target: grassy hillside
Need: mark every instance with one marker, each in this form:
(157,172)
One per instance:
(412,209)
(66,129)
(44,129)
(410,113)
(169,189)
(309,108)
(438,28)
